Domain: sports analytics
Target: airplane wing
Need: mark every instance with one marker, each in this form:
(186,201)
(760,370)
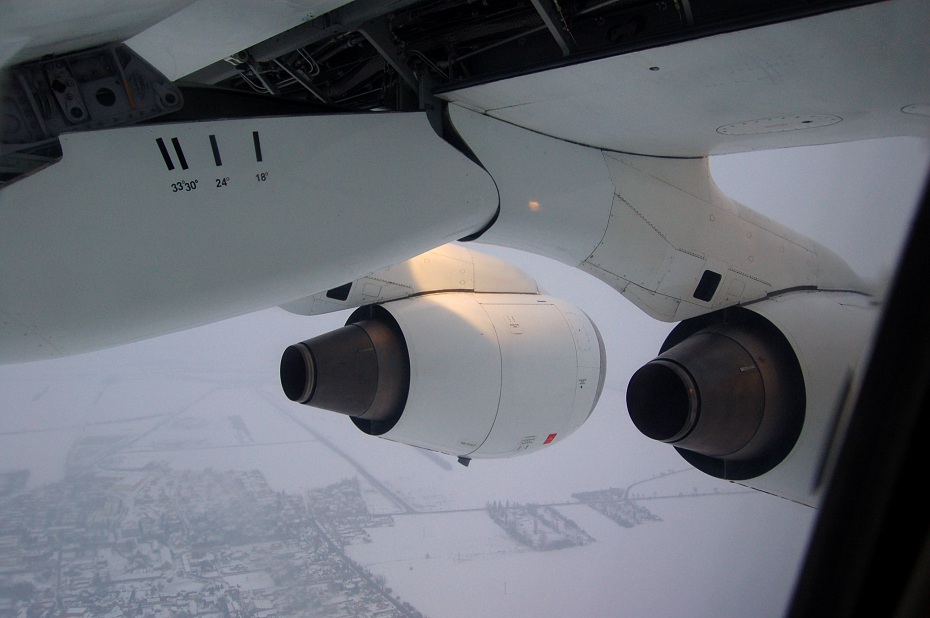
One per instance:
(681,79)
(665,79)
(194,161)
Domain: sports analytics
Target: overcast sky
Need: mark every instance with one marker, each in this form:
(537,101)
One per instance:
(727,556)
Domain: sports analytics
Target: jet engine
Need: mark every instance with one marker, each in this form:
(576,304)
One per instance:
(472,375)
(755,394)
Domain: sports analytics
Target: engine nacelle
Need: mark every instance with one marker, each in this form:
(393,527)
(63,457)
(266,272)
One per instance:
(471,375)
(753,394)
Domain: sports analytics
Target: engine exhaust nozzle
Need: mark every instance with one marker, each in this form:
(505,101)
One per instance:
(730,393)
(361,370)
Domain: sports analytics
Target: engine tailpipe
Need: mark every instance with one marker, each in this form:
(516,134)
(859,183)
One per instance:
(730,397)
(361,370)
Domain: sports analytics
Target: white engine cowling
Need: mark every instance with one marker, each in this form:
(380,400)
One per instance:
(471,375)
